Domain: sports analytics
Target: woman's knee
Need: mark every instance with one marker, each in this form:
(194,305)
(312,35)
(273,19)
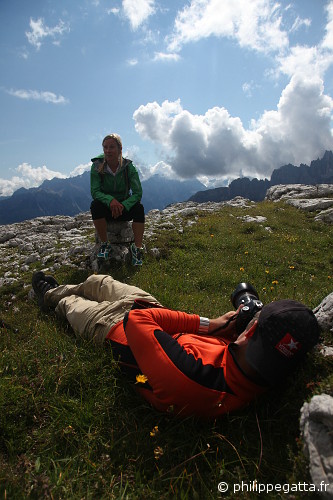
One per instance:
(138,213)
(98,210)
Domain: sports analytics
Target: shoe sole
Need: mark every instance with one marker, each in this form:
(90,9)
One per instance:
(36,278)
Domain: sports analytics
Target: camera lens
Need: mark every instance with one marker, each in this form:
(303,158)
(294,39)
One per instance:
(246,295)
(243,293)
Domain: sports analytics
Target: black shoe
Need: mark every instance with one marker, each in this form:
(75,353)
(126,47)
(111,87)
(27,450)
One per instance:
(42,284)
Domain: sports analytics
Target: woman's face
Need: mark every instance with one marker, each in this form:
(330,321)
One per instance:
(111,150)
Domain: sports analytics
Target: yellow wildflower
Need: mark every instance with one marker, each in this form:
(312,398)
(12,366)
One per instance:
(154,431)
(158,452)
(141,379)
(241,269)
(275,282)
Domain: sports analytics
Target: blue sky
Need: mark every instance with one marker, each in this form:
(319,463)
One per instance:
(212,89)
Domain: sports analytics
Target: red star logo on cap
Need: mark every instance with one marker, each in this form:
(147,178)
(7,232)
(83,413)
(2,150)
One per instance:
(288,346)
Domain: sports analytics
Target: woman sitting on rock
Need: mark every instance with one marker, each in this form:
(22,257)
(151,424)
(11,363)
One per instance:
(116,191)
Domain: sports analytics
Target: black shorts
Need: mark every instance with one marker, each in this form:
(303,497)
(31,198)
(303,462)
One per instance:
(101,211)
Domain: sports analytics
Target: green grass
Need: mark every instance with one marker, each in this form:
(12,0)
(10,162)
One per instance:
(71,427)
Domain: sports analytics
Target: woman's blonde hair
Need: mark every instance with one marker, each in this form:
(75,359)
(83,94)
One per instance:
(117,138)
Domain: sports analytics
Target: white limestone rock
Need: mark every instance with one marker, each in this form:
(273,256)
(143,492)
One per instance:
(325,216)
(311,205)
(324,313)
(282,191)
(316,423)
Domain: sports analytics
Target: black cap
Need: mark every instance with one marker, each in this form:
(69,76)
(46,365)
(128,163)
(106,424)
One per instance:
(285,332)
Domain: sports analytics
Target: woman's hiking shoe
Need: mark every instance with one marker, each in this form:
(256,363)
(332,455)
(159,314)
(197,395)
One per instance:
(104,251)
(42,284)
(137,255)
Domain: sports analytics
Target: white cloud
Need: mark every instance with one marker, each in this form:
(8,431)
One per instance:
(305,61)
(163,169)
(39,32)
(115,11)
(255,24)
(217,145)
(132,62)
(162,56)
(137,11)
(37,95)
(154,121)
(28,177)
(299,22)
(328,39)
(80,169)
(301,126)
(249,87)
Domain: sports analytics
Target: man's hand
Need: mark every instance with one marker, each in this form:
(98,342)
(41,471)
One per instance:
(224,326)
(116,208)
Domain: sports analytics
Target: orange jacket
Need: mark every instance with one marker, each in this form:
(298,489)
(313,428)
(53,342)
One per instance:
(187,373)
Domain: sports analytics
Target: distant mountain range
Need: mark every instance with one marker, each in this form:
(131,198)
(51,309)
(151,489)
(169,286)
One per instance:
(319,172)
(72,195)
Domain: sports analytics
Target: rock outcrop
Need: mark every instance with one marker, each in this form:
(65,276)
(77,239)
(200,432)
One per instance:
(317,198)
(316,424)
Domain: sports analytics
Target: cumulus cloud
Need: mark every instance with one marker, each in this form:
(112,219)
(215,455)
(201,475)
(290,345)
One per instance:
(162,168)
(255,25)
(39,31)
(27,177)
(80,169)
(36,95)
(137,11)
(218,145)
(304,60)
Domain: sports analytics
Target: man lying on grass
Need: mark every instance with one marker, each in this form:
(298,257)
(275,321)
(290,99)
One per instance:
(184,363)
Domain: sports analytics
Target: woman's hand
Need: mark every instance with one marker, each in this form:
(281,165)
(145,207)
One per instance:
(116,208)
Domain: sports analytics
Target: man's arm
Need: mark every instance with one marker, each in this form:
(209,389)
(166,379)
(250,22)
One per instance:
(176,373)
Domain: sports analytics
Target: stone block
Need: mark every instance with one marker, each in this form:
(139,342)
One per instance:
(118,232)
(120,235)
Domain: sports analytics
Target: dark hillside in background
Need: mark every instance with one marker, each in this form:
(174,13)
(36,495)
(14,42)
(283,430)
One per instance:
(72,195)
(55,197)
(319,172)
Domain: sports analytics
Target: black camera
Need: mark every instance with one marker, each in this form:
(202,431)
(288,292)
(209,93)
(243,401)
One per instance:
(247,295)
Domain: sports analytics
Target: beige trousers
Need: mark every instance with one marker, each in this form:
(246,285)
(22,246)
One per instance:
(94,306)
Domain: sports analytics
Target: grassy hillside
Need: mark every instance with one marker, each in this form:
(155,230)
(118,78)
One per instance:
(71,427)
